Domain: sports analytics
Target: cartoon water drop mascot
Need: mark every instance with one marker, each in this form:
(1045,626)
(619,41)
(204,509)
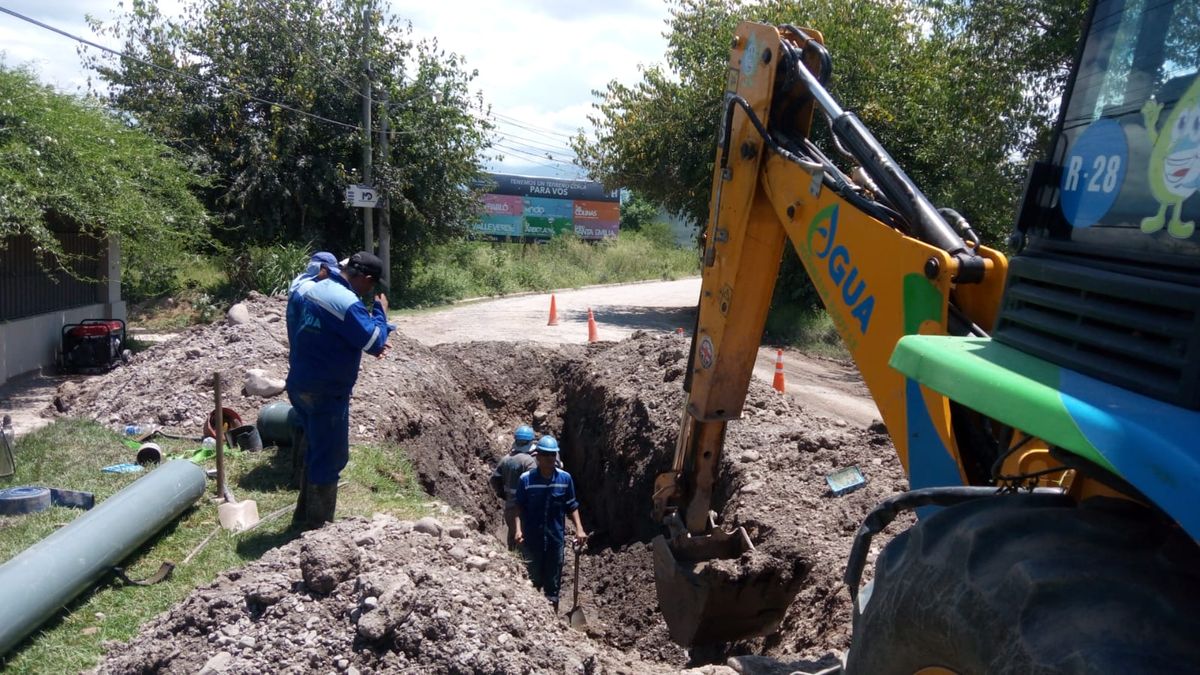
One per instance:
(1174,161)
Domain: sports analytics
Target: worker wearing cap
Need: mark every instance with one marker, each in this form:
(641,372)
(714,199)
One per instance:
(320,266)
(545,496)
(508,474)
(334,328)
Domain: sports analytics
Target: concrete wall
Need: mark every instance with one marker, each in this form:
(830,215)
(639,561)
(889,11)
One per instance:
(30,343)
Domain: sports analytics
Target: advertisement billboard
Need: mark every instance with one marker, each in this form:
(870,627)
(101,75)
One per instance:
(536,208)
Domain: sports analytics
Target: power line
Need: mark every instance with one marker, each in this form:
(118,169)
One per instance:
(528,126)
(544,145)
(543,161)
(171,71)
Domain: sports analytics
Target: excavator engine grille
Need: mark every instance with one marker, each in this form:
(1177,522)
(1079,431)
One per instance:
(1136,333)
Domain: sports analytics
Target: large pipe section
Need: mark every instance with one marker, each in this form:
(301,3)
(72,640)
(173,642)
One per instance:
(48,575)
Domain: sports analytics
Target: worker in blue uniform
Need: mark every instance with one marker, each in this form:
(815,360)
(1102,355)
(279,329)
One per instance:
(334,329)
(545,497)
(320,266)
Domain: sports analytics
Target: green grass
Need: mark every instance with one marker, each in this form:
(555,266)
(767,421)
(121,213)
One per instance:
(70,454)
(811,331)
(466,269)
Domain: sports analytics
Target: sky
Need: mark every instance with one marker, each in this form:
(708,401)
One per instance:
(538,60)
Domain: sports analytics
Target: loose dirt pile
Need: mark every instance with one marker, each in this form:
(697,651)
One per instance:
(615,408)
(370,596)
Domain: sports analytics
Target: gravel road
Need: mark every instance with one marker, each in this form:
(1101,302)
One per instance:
(828,386)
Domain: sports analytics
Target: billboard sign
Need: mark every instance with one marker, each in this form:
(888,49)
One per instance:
(532,207)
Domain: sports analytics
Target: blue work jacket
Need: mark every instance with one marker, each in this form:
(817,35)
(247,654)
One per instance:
(544,503)
(333,330)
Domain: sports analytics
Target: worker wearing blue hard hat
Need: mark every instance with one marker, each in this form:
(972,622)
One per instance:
(545,497)
(508,473)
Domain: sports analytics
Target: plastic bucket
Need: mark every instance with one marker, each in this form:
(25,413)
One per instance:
(246,437)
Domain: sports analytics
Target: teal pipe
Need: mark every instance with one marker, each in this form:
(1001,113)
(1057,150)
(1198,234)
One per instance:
(47,576)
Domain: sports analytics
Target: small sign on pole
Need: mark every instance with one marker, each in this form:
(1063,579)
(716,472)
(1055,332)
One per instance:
(362,195)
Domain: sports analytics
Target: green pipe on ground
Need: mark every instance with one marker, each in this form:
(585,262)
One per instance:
(47,576)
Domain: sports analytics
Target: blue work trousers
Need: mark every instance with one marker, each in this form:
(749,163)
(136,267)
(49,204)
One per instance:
(326,422)
(544,560)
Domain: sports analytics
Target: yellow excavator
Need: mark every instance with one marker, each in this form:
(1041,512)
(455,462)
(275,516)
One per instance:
(1045,406)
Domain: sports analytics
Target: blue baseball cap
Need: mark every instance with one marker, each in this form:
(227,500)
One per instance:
(323,258)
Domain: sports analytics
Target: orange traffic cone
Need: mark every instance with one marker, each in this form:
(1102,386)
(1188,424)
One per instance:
(553,312)
(777,383)
(593,335)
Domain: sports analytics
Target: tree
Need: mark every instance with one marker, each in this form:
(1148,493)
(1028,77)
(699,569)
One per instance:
(266,95)
(67,162)
(960,93)
(636,213)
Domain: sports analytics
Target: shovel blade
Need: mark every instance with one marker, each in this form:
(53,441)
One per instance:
(578,618)
(237,516)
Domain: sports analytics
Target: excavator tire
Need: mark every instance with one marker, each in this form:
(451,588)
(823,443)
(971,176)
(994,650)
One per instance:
(1033,583)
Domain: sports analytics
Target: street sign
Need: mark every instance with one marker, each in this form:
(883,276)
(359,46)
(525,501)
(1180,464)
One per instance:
(362,195)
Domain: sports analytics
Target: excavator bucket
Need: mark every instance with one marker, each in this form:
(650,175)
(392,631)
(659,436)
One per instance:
(718,588)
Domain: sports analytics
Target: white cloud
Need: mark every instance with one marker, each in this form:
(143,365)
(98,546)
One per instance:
(539,61)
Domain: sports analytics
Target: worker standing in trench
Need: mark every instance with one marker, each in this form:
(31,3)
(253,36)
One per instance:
(507,476)
(333,331)
(545,496)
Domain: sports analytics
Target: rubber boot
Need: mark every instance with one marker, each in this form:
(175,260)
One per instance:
(300,515)
(322,502)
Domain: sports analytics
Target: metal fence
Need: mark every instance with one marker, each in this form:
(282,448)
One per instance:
(26,289)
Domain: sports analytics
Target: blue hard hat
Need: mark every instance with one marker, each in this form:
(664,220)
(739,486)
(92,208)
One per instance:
(547,444)
(524,433)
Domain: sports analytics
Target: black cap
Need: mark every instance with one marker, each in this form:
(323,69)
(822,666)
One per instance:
(367,264)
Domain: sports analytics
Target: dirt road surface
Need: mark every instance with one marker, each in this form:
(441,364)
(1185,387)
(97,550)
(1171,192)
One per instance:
(828,386)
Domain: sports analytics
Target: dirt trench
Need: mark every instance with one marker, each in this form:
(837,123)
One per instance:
(615,408)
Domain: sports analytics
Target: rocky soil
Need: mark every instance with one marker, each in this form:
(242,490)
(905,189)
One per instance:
(615,408)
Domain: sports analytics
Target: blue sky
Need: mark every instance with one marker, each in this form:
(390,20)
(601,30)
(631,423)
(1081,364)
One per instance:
(538,60)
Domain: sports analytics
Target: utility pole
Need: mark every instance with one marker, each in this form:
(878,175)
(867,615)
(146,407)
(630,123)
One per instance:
(385,218)
(368,233)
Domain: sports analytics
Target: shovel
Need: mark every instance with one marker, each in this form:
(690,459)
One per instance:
(232,514)
(576,616)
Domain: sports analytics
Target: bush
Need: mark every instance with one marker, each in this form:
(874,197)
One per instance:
(462,269)
(268,269)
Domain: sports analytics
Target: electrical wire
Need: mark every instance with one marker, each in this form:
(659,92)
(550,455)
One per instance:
(536,143)
(171,71)
(529,126)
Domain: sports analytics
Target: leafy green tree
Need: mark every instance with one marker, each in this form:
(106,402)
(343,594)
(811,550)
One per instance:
(636,213)
(960,92)
(280,170)
(67,162)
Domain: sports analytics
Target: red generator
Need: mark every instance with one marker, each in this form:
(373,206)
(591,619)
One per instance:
(92,345)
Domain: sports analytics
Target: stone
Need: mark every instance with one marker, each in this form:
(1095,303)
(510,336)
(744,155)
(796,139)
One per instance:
(751,456)
(458,553)
(325,563)
(247,642)
(238,314)
(457,532)
(217,664)
(428,525)
(260,383)
(476,563)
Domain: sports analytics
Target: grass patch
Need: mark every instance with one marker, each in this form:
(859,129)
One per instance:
(70,454)
(811,331)
(465,269)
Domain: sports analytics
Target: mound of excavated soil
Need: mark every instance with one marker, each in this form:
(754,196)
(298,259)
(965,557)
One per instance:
(369,596)
(615,408)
